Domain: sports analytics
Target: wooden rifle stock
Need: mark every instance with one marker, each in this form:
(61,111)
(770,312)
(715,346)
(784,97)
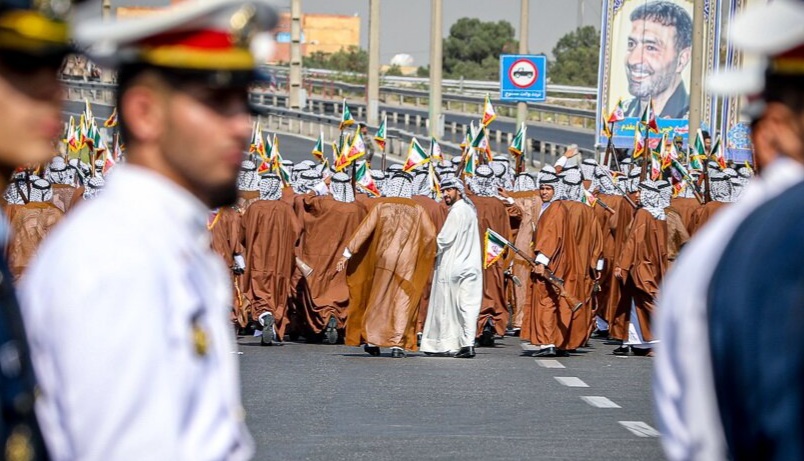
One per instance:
(551,277)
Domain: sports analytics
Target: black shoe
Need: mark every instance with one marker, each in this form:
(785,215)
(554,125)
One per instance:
(513,332)
(268,331)
(487,337)
(467,352)
(398,353)
(546,352)
(331,333)
(373,351)
(622,350)
(642,352)
(601,334)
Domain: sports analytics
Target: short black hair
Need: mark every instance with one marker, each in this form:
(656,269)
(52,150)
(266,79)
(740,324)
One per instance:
(706,134)
(667,14)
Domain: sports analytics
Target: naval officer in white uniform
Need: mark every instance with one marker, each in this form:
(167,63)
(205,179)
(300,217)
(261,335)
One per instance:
(127,304)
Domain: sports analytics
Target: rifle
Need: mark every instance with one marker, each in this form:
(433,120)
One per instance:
(549,275)
(605,207)
(625,194)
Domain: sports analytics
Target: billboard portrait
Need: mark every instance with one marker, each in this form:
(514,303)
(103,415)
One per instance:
(646,55)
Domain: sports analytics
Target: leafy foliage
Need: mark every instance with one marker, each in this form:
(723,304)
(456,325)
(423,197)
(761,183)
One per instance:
(473,48)
(352,59)
(576,58)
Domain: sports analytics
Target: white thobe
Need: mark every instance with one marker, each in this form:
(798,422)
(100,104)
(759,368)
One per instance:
(683,384)
(118,307)
(457,291)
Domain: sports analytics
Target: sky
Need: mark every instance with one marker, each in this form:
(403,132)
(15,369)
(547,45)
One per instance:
(405,24)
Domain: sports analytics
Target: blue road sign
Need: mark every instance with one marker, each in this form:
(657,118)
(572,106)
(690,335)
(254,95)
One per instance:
(523,77)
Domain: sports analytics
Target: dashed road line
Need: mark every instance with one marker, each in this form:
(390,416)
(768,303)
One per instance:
(571,381)
(639,428)
(548,363)
(599,401)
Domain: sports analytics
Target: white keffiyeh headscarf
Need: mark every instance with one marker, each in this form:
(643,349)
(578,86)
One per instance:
(651,199)
(40,191)
(247,179)
(400,185)
(270,187)
(341,188)
(483,183)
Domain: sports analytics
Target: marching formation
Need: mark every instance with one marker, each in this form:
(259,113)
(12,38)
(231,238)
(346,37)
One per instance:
(447,255)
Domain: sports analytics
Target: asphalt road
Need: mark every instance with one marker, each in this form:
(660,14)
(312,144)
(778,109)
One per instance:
(314,401)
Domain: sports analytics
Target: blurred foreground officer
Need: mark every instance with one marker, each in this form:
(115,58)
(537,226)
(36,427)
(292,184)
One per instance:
(33,44)
(135,358)
(687,387)
(756,294)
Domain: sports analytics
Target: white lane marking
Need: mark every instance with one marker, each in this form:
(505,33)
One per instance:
(639,428)
(599,402)
(571,381)
(547,363)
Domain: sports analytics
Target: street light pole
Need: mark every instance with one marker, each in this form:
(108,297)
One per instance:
(524,23)
(295,55)
(373,84)
(436,47)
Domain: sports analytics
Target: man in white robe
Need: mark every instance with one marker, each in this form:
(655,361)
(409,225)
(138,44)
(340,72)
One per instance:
(451,324)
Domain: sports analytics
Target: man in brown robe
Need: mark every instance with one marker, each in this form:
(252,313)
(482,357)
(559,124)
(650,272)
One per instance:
(498,214)
(269,231)
(527,199)
(30,225)
(90,190)
(570,243)
(248,183)
(615,230)
(327,224)
(721,195)
(391,255)
(685,204)
(641,267)
(62,183)
(224,228)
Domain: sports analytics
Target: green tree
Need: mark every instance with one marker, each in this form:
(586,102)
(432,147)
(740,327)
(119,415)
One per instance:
(473,48)
(352,59)
(394,71)
(423,71)
(577,56)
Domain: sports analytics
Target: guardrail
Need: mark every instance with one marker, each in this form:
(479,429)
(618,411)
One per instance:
(311,124)
(481,85)
(537,112)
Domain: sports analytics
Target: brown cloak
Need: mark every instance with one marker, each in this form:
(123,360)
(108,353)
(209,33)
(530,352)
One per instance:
(703,214)
(225,234)
(492,214)
(568,234)
(644,263)
(269,231)
(393,255)
(615,231)
(327,225)
(30,225)
(63,196)
(530,203)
